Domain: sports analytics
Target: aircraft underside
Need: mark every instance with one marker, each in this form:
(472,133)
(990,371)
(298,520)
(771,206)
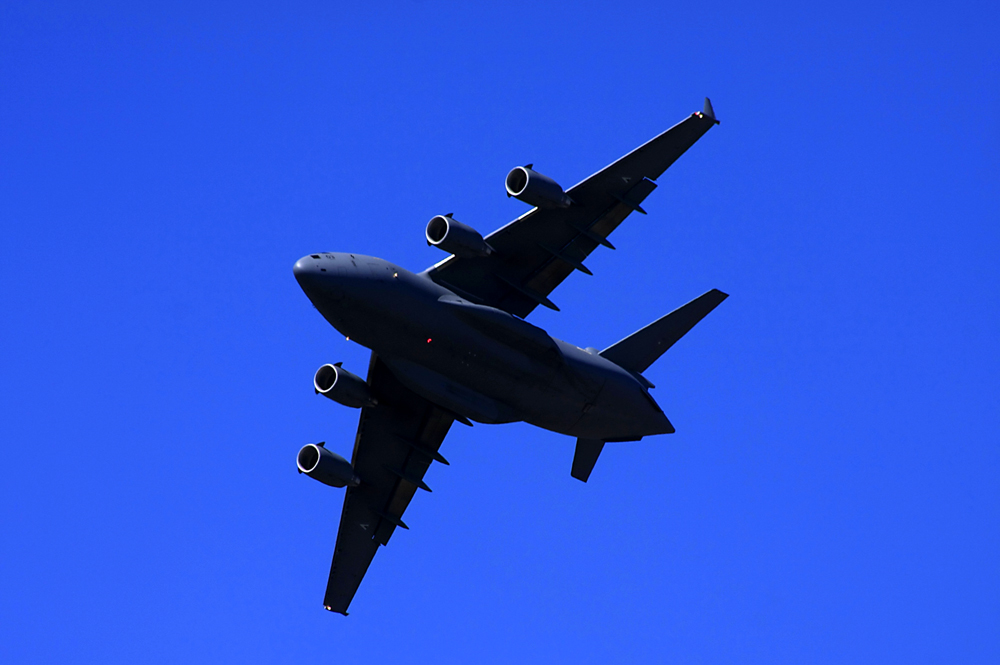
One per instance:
(452,344)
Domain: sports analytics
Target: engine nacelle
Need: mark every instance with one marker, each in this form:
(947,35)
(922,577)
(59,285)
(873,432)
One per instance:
(536,189)
(456,238)
(336,383)
(328,468)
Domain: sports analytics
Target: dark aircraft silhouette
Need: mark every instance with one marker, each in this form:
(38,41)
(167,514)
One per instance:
(451,343)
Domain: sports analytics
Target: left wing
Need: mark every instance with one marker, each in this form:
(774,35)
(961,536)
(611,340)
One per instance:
(538,250)
(396,442)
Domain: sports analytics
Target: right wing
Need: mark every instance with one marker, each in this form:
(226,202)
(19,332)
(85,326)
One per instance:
(396,442)
(538,250)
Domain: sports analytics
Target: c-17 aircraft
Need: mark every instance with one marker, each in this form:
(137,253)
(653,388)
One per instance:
(451,344)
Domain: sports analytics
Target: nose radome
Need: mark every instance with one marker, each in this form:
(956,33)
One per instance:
(303,267)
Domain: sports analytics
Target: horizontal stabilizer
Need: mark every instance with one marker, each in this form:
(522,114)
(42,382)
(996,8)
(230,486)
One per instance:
(641,349)
(587,452)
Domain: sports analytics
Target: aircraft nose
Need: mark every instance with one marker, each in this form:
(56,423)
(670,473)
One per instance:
(317,275)
(306,269)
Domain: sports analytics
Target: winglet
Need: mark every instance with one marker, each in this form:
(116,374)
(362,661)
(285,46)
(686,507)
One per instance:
(709,112)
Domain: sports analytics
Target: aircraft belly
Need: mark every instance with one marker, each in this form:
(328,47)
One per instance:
(449,393)
(445,359)
(512,387)
(470,372)
(539,388)
(488,378)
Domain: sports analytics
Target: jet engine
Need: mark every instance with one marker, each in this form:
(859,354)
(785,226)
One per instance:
(536,189)
(336,383)
(455,237)
(328,468)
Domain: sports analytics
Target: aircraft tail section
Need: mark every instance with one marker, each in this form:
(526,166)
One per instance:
(587,452)
(642,348)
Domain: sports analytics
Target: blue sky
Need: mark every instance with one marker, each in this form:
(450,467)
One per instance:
(832,493)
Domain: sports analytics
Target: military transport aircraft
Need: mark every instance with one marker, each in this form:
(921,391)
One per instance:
(451,344)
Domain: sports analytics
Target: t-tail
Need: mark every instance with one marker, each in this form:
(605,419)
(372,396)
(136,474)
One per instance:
(640,350)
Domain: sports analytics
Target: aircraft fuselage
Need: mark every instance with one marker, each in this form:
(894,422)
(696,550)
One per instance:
(476,361)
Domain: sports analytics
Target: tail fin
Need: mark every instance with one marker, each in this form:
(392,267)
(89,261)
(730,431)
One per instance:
(587,452)
(641,349)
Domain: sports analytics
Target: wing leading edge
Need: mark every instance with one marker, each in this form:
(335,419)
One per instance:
(537,251)
(396,442)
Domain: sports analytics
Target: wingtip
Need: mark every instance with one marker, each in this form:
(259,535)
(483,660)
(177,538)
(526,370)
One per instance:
(329,608)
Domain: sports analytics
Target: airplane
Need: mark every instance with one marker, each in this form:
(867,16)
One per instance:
(451,344)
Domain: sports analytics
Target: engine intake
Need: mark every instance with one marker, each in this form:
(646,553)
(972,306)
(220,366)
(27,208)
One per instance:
(456,238)
(328,468)
(536,189)
(336,383)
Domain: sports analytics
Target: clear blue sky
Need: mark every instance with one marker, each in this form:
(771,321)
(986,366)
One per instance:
(832,493)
